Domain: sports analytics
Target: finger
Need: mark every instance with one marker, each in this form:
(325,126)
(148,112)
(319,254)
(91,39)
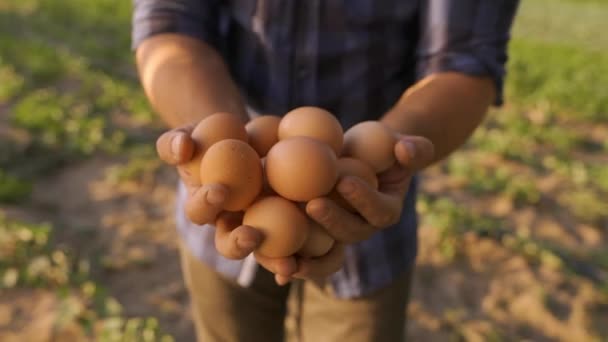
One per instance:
(323,266)
(282,266)
(414,152)
(379,209)
(281,280)
(394,181)
(236,243)
(339,223)
(175,146)
(205,203)
(227,220)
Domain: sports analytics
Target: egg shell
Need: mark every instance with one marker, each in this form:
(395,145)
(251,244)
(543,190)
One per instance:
(312,122)
(263,133)
(236,165)
(284,225)
(266,189)
(353,167)
(371,142)
(301,168)
(213,128)
(318,243)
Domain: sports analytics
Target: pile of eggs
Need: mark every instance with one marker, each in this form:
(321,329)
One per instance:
(272,166)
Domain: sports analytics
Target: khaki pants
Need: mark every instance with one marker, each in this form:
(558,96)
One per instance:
(224,311)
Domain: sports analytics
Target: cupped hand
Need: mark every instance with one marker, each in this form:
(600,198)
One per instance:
(376,209)
(295,267)
(204,204)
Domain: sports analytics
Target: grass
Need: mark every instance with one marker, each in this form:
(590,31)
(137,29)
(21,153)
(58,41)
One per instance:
(481,179)
(65,94)
(556,94)
(13,189)
(551,74)
(546,21)
(68,92)
(559,57)
(29,259)
(454,221)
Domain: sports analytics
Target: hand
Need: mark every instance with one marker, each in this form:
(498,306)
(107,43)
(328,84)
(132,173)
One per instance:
(318,268)
(236,241)
(205,203)
(377,209)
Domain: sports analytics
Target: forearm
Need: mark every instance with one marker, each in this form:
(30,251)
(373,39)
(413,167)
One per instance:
(445,108)
(186,79)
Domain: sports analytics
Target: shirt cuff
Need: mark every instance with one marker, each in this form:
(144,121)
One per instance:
(150,19)
(467,63)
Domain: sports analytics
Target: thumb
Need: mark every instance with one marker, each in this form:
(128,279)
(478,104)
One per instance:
(176,146)
(414,152)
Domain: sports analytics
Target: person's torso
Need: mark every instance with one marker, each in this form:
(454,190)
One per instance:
(352,57)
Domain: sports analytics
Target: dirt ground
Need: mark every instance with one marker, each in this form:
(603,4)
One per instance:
(487,293)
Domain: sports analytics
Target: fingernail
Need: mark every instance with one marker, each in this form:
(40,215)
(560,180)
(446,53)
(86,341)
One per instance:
(411,148)
(215,197)
(346,187)
(246,244)
(319,209)
(176,142)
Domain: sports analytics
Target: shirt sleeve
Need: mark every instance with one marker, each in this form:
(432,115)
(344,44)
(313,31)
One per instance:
(196,18)
(468,36)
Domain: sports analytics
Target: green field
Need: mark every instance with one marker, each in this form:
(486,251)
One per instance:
(514,243)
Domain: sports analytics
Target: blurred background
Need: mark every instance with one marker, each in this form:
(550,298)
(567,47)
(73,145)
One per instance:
(514,243)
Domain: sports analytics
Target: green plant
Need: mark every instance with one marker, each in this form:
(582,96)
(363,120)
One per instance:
(586,204)
(25,257)
(13,189)
(65,121)
(509,145)
(522,190)
(141,164)
(12,82)
(29,259)
(497,179)
(559,80)
(453,221)
(598,175)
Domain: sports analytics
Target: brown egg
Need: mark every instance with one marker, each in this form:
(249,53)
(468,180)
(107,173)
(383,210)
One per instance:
(236,165)
(371,142)
(301,168)
(284,225)
(353,167)
(263,133)
(213,128)
(319,242)
(315,123)
(266,189)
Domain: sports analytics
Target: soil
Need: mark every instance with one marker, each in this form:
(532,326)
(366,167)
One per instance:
(487,292)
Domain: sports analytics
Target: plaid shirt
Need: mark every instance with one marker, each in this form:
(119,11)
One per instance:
(354,58)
